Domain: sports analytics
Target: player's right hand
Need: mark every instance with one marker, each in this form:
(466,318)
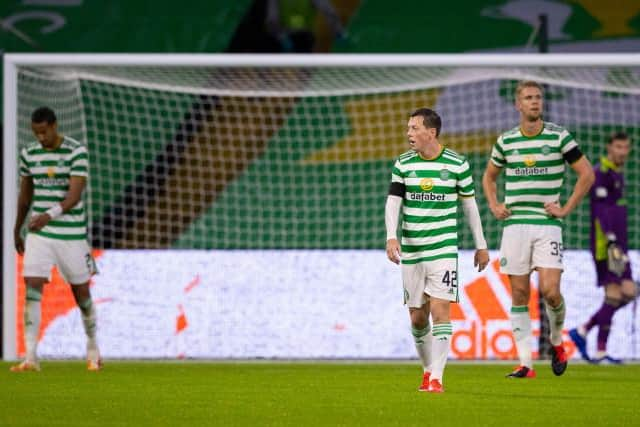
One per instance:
(481,259)
(18,242)
(39,221)
(393,250)
(500,211)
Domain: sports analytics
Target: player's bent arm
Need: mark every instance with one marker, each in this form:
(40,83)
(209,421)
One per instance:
(76,186)
(489,185)
(25,196)
(472,214)
(489,179)
(586,178)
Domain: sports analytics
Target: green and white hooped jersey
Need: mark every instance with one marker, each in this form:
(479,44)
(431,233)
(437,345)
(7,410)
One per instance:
(50,171)
(430,203)
(534,168)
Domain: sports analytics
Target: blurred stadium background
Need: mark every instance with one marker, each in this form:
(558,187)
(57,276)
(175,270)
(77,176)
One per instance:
(204,207)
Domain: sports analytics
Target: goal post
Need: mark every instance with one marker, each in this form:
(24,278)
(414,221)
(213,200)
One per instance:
(9,182)
(309,138)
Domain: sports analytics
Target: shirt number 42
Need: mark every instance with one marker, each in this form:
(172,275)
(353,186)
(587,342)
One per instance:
(450,279)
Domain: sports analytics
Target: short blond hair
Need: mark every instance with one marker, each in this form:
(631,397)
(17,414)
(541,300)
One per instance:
(527,83)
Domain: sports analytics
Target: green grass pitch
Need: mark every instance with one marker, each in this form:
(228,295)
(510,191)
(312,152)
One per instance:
(314,394)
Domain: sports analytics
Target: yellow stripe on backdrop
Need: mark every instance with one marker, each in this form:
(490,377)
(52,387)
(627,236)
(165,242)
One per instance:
(379,127)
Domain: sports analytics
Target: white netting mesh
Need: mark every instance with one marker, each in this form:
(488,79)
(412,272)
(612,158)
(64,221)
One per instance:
(334,81)
(263,157)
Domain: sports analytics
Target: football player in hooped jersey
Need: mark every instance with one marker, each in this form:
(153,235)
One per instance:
(533,156)
(426,183)
(53,173)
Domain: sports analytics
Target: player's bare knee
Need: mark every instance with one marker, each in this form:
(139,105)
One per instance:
(520,298)
(552,296)
(33,291)
(419,323)
(520,289)
(419,318)
(442,318)
(613,291)
(628,295)
(35,283)
(629,290)
(520,295)
(440,311)
(627,298)
(81,293)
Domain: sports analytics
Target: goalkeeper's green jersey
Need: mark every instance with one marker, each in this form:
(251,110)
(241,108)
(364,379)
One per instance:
(431,188)
(51,171)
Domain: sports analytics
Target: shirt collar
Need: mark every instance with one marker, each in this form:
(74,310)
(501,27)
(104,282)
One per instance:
(608,164)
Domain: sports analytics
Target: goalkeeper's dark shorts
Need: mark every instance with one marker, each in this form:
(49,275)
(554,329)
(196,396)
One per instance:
(606,277)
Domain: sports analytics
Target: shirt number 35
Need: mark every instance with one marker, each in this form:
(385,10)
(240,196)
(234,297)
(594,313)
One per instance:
(556,249)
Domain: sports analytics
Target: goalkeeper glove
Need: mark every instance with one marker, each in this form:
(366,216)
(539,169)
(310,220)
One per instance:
(616,258)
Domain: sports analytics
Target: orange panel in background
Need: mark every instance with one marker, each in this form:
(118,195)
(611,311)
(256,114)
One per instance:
(455,312)
(484,300)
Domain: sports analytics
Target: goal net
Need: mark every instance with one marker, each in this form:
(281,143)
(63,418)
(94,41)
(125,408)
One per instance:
(268,152)
(296,157)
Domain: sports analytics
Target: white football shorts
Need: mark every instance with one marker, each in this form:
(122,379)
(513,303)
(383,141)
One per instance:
(72,257)
(438,279)
(526,247)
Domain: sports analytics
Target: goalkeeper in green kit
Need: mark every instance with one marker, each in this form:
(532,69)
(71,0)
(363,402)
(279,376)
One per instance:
(608,247)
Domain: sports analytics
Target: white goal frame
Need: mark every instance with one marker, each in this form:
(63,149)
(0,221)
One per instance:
(12,62)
